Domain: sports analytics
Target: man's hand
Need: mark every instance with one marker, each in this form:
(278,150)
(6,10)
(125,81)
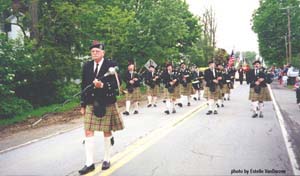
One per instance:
(82,111)
(131,81)
(215,81)
(257,82)
(135,79)
(98,84)
(219,78)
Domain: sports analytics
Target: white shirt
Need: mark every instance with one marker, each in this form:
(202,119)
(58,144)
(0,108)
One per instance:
(99,66)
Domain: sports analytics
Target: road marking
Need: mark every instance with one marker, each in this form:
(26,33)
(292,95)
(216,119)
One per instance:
(144,143)
(285,134)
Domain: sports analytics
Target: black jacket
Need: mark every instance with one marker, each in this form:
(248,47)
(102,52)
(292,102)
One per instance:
(167,78)
(128,78)
(209,77)
(149,79)
(253,77)
(105,95)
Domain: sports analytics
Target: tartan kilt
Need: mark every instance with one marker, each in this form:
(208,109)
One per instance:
(221,93)
(112,120)
(134,96)
(212,95)
(186,91)
(153,92)
(225,89)
(174,95)
(264,95)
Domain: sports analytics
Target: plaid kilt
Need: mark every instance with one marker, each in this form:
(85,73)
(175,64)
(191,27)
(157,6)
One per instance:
(264,95)
(174,95)
(112,120)
(186,91)
(225,89)
(153,92)
(134,96)
(212,95)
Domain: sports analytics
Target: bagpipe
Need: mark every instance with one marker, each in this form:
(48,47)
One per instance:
(130,87)
(185,77)
(173,76)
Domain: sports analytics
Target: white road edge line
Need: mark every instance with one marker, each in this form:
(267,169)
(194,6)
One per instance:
(285,134)
(39,139)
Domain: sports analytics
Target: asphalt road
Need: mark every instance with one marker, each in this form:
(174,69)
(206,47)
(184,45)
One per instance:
(186,143)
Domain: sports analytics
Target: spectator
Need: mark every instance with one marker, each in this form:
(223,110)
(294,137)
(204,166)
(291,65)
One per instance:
(297,89)
(292,74)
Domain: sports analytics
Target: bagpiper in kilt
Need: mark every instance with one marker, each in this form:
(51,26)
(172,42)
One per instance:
(212,87)
(222,84)
(133,94)
(228,85)
(197,81)
(171,81)
(152,80)
(185,83)
(258,89)
(98,105)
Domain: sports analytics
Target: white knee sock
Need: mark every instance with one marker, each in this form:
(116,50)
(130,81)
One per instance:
(154,100)
(254,106)
(173,105)
(168,104)
(220,101)
(136,106)
(260,106)
(188,98)
(89,145)
(149,99)
(127,106)
(226,96)
(211,104)
(107,148)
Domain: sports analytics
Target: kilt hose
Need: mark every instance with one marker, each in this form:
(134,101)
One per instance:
(174,95)
(212,95)
(264,95)
(186,91)
(153,91)
(134,96)
(112,120)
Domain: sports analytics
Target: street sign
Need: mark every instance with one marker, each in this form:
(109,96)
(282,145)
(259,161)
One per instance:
(150,62)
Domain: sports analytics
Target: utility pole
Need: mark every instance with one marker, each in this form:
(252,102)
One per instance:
(289,35)
(286,49)
(288,8)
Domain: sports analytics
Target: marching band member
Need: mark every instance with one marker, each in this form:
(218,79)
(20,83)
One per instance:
(133,94)
(185,81)
(152,80)
(258,89)
(221,76)
(98,106)
(212,88)
(171,80)
(197,77)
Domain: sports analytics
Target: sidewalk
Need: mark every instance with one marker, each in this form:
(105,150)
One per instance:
(286,99)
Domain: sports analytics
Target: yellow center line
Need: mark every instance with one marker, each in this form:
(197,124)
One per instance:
(144,143)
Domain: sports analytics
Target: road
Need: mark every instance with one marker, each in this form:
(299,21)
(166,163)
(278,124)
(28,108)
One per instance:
(186,143)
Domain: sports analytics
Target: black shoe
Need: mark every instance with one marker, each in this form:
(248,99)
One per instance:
(149,105)
(261,115)
(228,99)
(222,105)
(164,101)
(254,115)
(126,113)
(199,99)
(224,99)
(174,111)
(112,141)
(189,104)
(195,98)
(86,169)
(105,165)
(215,112)
(180,105)
(218,105)
(135,112)
(154,105)
(209,112)
(167,111)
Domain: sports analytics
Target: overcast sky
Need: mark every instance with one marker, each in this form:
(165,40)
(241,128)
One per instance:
(233,22)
